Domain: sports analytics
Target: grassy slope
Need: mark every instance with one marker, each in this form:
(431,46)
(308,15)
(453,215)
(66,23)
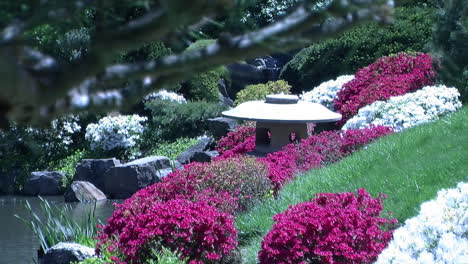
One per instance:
(409,167)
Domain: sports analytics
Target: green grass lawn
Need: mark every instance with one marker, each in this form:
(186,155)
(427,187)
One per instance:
(410,167)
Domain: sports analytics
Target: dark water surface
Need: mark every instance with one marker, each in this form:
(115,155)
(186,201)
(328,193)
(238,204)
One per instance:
(17,242)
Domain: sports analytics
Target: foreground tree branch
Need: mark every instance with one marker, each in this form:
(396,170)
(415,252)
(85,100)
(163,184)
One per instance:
(37,90)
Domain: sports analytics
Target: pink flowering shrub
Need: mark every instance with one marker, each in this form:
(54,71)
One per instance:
(332,228)
(196,230)
(226,185)
(237,142)
(354,139)
(388,76)
(317,150)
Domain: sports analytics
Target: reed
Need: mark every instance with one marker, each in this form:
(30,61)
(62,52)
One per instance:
(58,225)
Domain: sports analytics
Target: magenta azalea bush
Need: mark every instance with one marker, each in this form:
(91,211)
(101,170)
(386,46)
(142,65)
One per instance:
(332,228)
(237,142)
(213,193)
(388,76)
(197,230)
(317,150)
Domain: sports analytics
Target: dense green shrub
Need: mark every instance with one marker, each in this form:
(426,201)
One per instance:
(358,48)
(260,91)
(25,149)
(171,120)
(204,86)
(449,43)
(172,149)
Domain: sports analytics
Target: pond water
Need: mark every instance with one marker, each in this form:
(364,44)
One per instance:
(18,245)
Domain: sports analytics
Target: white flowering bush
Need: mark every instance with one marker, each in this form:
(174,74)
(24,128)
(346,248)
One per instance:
(65,128)
(401,112)
(117,133)
(325,93)
(165,95)
(439,234)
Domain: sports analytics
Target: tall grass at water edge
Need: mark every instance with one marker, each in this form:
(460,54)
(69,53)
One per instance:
(58,225)
(409,167)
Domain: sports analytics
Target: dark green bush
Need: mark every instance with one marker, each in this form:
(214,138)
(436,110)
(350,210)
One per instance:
(171,120)
(204,86)
(358,48)
(260,91)
(449,44)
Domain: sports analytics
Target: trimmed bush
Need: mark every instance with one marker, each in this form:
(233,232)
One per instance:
(358,48)
(171,120)
(204,86)
(230,185)
(388,76)
(196,230)
(260,91)
(332,228)
(436,235)
(402,112)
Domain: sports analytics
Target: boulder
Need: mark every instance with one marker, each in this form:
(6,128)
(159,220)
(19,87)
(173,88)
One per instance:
(65,253)
(93,171)
(44,183)
(81,191)
(220,126)
(124,180)
(204,144)
(205,156)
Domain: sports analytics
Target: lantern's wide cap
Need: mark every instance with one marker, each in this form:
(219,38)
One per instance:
(281,108)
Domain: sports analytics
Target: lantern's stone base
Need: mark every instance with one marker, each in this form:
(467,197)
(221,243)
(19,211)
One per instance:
(280,135)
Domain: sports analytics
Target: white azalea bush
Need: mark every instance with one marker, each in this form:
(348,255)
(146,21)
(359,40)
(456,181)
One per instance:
(326,92)
(439,234)
(165,95)
(119,134)
(401,112)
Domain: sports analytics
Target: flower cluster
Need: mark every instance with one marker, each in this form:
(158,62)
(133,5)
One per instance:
(197,230)
(325,93)
(317,150)
(436,235)
(64,129)
(227,185)
(332,228)
(165,95)
(387,77)
(401,112)
(116,132)
(237,142)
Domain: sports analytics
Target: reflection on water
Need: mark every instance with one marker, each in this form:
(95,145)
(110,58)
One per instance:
(17,242)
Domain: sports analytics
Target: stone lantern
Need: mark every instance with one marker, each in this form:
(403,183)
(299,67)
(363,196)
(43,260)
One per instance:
(280,117)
